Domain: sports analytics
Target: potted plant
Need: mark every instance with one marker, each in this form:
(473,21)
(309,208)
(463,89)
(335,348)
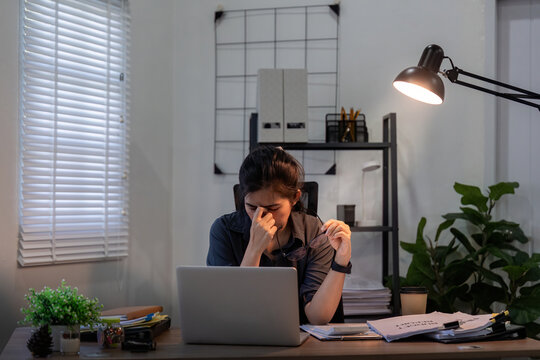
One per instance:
(63,309)
(481,268)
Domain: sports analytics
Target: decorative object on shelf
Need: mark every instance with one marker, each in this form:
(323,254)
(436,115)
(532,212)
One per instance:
(70,341)
(62,309)
(345,213)
(40,342)
(282,105)
(345,127)
(367,167)
(422,83)
(481,267)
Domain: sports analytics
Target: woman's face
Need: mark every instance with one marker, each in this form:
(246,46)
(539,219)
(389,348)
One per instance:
(271,202)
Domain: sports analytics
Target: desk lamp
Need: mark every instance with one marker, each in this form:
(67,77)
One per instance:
(422,82)
(367,167)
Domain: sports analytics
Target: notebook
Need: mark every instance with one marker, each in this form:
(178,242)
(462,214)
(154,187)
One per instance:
(239,305)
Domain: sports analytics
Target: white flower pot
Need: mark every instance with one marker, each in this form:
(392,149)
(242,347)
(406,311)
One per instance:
(70,341)
(70,346)
(56,330)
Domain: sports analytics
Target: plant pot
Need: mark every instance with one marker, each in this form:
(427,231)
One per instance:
(55,333)
(70,341)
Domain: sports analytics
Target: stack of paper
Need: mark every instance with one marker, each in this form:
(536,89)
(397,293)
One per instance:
(348,331)
(469,326)
(366,301)
(435,324)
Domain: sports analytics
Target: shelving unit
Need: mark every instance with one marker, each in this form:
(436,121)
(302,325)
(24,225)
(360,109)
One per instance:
(389,228)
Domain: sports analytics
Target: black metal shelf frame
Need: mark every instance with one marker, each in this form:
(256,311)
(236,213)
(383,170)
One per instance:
(390,225)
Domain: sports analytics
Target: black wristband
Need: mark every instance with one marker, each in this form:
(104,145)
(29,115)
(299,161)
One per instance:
(342,269)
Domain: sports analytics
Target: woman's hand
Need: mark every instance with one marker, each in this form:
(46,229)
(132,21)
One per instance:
(339,235)
(262,230)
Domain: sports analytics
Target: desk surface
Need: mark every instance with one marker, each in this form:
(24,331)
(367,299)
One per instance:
(170,346)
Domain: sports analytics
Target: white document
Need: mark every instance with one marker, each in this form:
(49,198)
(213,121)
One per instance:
(341,329)
(400,327)
(347,331)
(469,325)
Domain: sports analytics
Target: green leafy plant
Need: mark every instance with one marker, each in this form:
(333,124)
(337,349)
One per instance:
(61,306)
(439,268)
(480,268)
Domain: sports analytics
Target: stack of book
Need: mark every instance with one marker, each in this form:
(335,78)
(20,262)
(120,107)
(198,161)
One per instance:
(366,301)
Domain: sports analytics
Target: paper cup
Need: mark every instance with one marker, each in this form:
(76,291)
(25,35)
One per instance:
(413,300)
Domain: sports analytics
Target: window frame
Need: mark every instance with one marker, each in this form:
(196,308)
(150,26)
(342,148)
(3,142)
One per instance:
(77,160)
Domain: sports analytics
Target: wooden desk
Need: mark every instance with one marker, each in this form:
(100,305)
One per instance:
(170,346)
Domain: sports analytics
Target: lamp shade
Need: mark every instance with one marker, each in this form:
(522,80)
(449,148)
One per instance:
(371,165)
(422,82)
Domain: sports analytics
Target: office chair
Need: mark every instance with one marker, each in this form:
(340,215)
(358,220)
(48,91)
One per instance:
(310,200)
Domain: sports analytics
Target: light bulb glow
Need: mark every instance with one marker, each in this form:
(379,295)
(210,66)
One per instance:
(417,92)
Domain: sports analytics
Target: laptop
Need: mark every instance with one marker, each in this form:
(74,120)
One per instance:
(239,305)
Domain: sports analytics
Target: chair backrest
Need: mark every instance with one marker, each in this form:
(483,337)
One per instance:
(310,196)
(310,200)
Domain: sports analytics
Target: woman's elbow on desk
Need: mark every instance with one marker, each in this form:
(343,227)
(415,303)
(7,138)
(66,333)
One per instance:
(318,316)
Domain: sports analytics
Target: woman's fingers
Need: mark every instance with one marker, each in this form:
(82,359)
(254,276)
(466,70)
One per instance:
(265,222)
(332,227)
(257,215)
(341,235)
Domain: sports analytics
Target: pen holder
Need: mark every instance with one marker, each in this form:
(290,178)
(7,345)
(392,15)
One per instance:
(338,130)
(413,300)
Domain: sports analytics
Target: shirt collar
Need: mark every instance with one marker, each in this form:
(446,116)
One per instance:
(298,229)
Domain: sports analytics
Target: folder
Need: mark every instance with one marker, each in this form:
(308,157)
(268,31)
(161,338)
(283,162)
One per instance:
(508,333)
(147,332)
(132,312)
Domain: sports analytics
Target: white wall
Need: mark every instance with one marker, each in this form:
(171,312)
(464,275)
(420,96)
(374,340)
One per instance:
(176,196)
(519,125)
(436,145)
(145,276)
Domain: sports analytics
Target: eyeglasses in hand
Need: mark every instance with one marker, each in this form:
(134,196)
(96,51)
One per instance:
(300,253)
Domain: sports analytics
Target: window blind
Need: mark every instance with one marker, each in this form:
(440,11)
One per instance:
(74,111)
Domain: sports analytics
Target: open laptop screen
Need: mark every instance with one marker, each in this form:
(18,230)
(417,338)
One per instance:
(239,305)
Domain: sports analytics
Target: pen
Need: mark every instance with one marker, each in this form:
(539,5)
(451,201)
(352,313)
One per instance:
(497,317)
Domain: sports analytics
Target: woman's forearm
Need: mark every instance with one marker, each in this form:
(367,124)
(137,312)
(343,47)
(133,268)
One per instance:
(251,257)
(322,307)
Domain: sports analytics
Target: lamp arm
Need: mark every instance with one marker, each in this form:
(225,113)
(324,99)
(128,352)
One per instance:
(453,74)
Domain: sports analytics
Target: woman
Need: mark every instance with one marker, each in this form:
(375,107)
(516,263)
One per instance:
(272,230)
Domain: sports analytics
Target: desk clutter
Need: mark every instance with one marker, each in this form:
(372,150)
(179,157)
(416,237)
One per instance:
(448,328)
(132,328)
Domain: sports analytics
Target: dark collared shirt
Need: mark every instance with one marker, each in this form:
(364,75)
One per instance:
(229,238)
